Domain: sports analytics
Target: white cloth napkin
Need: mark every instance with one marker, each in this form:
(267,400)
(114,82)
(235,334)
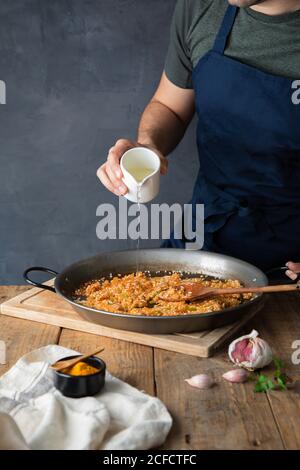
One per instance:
(34,415)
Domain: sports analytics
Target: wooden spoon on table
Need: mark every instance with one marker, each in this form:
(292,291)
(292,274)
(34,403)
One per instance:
(194,291)
(61,365)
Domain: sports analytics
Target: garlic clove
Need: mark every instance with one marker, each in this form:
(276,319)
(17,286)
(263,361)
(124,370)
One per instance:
(201,381)
(236,376)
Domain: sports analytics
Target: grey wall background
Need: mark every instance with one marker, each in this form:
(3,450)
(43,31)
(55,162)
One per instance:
(78,75)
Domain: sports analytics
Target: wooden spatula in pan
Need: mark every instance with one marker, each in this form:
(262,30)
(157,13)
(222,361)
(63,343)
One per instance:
(195,291)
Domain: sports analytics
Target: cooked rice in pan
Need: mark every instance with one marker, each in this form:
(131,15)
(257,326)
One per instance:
(138,294)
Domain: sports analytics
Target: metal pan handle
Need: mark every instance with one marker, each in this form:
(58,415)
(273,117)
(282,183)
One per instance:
(273,279)
(38,284)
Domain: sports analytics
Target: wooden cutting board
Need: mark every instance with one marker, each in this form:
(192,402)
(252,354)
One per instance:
(47,307)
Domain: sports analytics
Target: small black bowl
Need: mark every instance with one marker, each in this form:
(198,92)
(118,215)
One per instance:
(81,386)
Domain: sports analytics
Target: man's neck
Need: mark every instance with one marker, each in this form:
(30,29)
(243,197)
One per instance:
(277,7)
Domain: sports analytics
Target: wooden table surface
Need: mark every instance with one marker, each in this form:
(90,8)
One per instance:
(228,416)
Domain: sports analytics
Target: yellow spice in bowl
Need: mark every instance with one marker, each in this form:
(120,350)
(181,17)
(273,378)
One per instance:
(81,369)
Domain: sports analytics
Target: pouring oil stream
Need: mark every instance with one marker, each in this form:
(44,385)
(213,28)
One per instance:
(140,174)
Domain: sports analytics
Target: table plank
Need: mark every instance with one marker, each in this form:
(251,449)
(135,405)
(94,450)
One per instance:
(7,292)
(281,327)
(130,362)
(227,416)
(22,336)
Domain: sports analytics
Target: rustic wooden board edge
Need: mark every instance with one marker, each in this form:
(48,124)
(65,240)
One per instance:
(199,346)
(170,342)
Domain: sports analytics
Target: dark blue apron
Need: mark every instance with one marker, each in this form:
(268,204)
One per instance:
(248,139)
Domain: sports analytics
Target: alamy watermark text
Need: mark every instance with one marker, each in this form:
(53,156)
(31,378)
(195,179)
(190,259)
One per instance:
(2,92)
(155,222)
(296,93)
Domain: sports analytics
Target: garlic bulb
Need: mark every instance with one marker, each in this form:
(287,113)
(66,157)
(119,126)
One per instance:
(250,352)
(201,381)
(236,375)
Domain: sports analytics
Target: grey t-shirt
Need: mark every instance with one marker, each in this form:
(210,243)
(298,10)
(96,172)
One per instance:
(269,43)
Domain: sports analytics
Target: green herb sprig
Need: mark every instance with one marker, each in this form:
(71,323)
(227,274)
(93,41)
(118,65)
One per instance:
(264,383)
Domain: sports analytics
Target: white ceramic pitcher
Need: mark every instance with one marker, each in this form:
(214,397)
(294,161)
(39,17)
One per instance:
(141,174)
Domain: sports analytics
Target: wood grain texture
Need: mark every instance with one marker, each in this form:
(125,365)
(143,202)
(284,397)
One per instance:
(227,416)
(130,362)
(22,336)
(8,292)
(281,328)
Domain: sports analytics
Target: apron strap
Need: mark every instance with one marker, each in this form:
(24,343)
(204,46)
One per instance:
(225,29)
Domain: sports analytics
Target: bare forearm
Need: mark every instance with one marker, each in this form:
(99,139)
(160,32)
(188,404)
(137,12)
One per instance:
(160,128)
